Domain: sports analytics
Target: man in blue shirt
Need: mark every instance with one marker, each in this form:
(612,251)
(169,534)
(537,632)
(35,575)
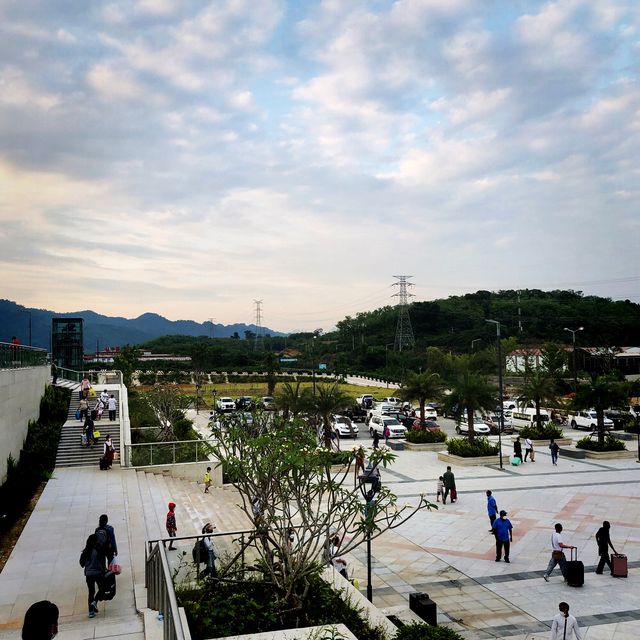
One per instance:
(492,509)
(503,531)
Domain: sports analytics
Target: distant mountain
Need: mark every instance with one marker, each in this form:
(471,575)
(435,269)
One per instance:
(105,331)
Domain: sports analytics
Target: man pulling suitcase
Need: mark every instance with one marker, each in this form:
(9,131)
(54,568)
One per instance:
(618,563)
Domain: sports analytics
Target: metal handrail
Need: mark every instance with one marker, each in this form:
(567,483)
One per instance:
(161,594)
(174,446)
(18,356)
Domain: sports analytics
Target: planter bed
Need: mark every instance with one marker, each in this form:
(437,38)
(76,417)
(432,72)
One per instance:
(572,452)
(609,455)
(468,462)
(425,446)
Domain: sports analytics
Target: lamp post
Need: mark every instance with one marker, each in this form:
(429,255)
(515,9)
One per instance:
(474,341)
(313,363)
(575,369)
(386,359)
(500,394)
(370,476)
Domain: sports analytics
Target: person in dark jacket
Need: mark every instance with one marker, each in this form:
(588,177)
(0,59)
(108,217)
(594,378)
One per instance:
(112,549)
(517,449)
(89,426)
(604,542)
(41,621)
(93,563)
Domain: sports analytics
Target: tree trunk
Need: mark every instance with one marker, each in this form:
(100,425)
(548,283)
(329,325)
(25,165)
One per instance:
(472,433)
(600,414)
(538,424)
(422,403)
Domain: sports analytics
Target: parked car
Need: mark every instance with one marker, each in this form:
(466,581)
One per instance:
(344,427)
(396,402)
(365,400)
(356,414)
(427,425)
(225,404)
(493,422)
(379,422)
(244,403)
(619,417)
(268,403)
(588,420)
(479,428)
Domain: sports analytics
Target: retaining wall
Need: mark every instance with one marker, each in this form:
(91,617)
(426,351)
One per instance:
(20,393)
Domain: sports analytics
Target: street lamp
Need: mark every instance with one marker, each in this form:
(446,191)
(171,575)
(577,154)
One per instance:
(575,370)
(474,341)
(370,476)
(386,359)
(313,363)
(500,394)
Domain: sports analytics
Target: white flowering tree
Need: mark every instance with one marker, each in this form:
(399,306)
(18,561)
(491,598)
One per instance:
(287,484)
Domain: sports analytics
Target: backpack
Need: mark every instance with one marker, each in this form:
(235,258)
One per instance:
(103,544)
(204,552)
(84,556)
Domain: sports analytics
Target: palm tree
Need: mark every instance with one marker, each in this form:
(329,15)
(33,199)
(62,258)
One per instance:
(291,399)
(471,391)
(539,386)
(421,387)
(329,399)
(600,394)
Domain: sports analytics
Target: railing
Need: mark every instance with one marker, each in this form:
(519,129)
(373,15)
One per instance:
(17,356)
(161,594)
(159,453)
(94,377)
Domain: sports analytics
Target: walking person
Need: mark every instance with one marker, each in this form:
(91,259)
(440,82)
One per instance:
(503,530)
(553,446)
(376,439)
(207,480)
(517,449)
(211,554)
(492,509)
(93,563)
(528,450)
(439,489)
(108,546)
(557,553)
(604,542)
(338,562)
(54,379)
(83,407)
(89,426)
(40,621)
(564,625)
(112,405)
(85,385)
(449,481)
(108,452)
(171,524)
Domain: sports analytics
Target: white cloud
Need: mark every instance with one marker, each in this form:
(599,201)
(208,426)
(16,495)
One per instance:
(114,84)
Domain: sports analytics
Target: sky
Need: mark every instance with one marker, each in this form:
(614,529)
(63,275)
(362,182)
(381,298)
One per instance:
(188,157)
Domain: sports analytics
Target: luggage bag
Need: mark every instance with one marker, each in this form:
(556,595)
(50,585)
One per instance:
(108,586)
(619,565)
(103,464)
(454,495)
(574,571)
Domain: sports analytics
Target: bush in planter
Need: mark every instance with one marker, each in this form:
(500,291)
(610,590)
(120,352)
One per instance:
(465,449)
(422,631)
(633,426)
(425,437)
(545,432)
(611,443)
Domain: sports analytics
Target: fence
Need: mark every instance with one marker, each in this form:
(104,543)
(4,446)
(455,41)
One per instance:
(178,451)
(17,356)
(94,377)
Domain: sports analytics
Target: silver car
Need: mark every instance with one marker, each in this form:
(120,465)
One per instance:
(344,427)
(479,428)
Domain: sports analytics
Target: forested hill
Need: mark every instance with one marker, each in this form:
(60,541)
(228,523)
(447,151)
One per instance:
(105,331)
(532,316)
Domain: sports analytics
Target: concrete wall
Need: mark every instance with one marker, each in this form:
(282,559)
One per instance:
(193,471)
(20,393)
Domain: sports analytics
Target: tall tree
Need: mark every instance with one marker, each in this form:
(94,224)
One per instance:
(539,386)
(329,399)
(168,403)
(599,394)
(421,387)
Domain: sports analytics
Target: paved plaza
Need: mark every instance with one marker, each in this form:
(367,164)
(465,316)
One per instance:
(447,553)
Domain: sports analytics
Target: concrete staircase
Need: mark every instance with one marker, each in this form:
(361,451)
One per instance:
(70,452)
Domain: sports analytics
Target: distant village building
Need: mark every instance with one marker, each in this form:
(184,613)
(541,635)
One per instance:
(108,355)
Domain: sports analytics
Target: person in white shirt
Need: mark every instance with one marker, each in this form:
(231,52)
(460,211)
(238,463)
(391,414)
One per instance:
(112,405)
(104,396)
(564,625)
(211,554)
(528,450)
(557,553)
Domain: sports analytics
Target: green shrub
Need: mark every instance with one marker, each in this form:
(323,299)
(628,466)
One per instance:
(218,609)
(545,432)
(425,437)
(633,426)
(422,631)
(466,449)
(611,443)
(183,429)
(341,457)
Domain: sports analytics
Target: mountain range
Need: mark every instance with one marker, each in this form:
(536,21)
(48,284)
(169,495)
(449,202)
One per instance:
(106,331)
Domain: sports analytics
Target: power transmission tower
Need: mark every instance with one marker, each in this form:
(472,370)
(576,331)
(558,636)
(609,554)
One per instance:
(258,344)
(211,327)
(404,332)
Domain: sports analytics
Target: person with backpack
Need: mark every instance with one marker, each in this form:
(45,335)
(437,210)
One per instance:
(93,563)
(108,452)
(106,538)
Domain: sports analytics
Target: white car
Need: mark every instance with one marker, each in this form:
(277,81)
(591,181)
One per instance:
(268,403)
(344,427)
(479,427)
(225,404)
(588,420)
(396,402)
(379,422)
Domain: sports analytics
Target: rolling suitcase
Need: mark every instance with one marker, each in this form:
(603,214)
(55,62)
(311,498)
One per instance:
(94,414)
(619,565)
(574,571)
(103,464)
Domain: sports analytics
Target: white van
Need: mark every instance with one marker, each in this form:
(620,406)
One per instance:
(521,418)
